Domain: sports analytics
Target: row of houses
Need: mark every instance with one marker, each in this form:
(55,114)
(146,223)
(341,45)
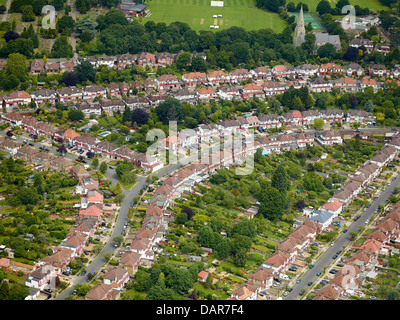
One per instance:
(47,269)
(317,221)
(368,256)
(279,71)
(355,183)
(84,141)
(278,262)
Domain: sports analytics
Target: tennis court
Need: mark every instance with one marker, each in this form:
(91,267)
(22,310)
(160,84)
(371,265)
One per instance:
(308,17)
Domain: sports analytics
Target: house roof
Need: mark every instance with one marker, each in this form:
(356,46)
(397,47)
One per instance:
(92,211)
(99,291)
(332,205)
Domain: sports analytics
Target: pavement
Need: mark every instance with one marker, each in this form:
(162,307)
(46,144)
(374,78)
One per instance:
(340,243)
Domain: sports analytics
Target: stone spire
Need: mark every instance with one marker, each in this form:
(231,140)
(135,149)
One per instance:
(299,30)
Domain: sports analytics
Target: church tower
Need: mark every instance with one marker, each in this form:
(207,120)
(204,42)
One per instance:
(299,30)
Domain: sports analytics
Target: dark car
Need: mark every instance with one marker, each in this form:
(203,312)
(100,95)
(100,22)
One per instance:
(83,272)
(309,284)
(335,256)
(319,273)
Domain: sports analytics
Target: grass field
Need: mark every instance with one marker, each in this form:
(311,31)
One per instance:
(199,14)
(371,4)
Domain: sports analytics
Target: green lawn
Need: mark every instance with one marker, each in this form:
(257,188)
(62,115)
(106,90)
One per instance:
(371,4)
(199,14)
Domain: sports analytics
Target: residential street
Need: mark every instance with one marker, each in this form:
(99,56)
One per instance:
(339,244)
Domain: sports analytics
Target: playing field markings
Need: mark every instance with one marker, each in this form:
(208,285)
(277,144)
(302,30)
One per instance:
(202,21)
(221,22)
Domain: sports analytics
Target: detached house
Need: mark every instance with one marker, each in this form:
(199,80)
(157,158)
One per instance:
(37,66)
(67,66)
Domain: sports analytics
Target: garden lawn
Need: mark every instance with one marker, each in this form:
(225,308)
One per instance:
(206,291)
(198,14)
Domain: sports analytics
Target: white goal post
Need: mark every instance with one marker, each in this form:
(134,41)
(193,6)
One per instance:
(217,3)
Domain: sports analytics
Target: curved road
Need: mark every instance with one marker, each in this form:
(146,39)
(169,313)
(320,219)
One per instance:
(97,263)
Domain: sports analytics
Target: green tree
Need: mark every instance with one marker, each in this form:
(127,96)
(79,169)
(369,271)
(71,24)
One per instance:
(319,123)
(169,110)
(280,180)
(16,65)
(85,71)
(95,162)
(75,115)
(66,22)
(118,188)
(182,62)
(272,202)
(103,167)
(61,48)
(27,14)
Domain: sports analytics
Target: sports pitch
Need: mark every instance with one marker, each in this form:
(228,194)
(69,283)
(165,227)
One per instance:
(371,4)
(198,14)
(308,17)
